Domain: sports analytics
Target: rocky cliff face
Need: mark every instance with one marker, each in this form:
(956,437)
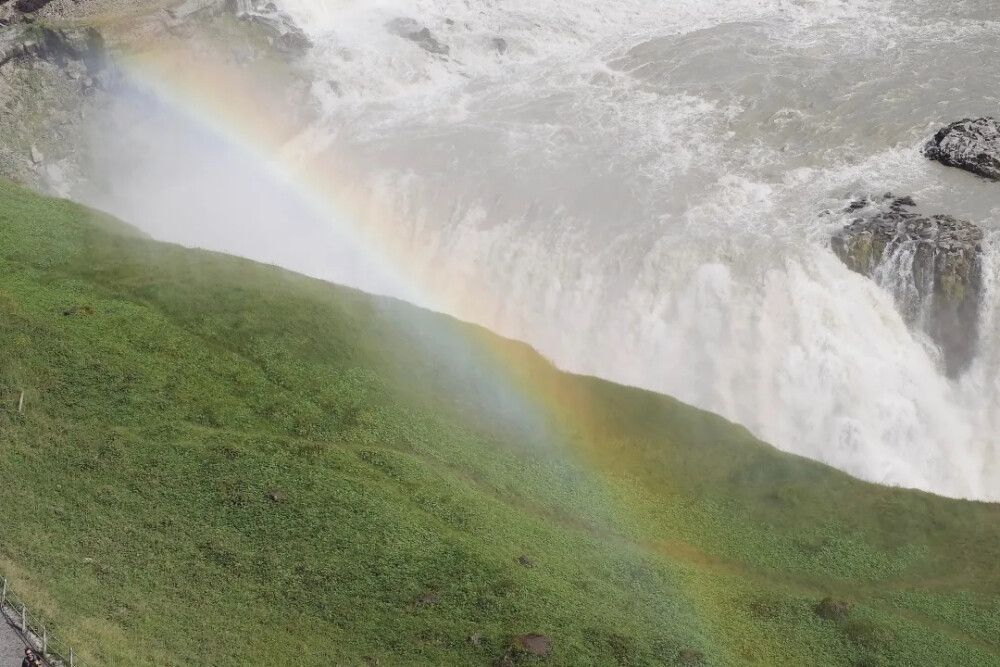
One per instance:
(969,144)
(56,82)
(930,263)
(50,80)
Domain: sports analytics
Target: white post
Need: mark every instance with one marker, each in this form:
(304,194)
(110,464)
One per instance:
(20,403)
(71,656)
(45,641)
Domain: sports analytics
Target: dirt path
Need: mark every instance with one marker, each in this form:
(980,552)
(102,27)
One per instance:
(11,645)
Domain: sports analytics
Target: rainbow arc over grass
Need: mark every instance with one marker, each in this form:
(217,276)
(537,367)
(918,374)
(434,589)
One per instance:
(563,410)
(233,105)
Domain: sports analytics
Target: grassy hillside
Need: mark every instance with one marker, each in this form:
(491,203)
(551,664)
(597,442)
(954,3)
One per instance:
(222,463)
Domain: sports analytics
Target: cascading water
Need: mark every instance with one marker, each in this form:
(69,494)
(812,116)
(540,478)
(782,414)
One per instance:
(635,189)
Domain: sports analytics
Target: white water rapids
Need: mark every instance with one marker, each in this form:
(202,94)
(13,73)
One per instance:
(636,185)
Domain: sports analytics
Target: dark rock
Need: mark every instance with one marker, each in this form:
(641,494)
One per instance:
(61,47)
(413,31)
(65,46)
(277,495)
(292,40)
(288,37)
(690,657)
(525,561)
(500,45)
(970,144)
(28,6)
(931,264)
(832,610)
(534,644)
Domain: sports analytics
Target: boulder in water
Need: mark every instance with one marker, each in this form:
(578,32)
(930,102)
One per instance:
(413,31)
(931,264)
(286,35)
(970,144)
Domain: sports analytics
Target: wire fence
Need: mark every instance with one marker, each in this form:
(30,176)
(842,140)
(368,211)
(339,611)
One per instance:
(35,631)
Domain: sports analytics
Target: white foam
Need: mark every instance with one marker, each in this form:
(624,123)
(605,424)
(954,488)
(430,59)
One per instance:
(635,187)
(643,204)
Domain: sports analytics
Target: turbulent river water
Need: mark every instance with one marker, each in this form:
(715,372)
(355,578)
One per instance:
(635,186)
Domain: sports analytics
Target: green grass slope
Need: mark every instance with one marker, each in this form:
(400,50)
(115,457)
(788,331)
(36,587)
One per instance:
(413,460)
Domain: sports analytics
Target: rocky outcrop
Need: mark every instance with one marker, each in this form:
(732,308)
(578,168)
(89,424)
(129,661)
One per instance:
(413,31)
(56,85)
(49,84)
(11,43)
(190,8)
(931,265)
(282,31)
(969,144)
(58,46)
(29,6)
(85,46)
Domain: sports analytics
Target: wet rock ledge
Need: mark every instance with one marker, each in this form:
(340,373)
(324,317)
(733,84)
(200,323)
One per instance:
(969,144)
(932,265)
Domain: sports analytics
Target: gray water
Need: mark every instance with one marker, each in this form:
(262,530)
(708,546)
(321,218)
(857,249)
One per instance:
(635,188)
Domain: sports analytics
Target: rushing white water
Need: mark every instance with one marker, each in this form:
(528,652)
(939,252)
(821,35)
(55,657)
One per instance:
(634,187)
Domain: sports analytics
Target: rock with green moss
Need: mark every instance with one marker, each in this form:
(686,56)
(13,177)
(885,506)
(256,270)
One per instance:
(930,263)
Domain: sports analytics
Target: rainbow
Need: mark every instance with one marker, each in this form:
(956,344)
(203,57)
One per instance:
(556,408)
(227,101)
